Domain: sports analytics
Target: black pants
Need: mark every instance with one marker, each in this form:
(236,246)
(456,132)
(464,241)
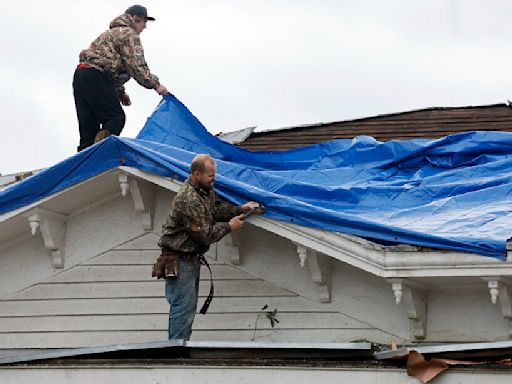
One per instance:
(97,105)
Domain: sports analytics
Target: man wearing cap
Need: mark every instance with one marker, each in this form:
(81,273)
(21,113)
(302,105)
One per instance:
(111,60)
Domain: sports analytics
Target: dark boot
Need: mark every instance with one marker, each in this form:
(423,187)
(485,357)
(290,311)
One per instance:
(102,134)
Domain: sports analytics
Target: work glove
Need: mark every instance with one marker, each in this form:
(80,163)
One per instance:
(125,99)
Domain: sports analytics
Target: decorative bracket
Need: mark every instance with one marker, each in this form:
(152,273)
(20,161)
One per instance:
(143,196)
(123,184)
(53,230)
(321,275)
(416,306)
(500,292)
(320,271)
(302,252)
(232,240)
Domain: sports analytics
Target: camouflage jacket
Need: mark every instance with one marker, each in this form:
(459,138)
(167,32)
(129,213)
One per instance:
(118,51)
(197,219)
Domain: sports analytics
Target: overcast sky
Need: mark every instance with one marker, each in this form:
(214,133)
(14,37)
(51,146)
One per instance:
(241,63)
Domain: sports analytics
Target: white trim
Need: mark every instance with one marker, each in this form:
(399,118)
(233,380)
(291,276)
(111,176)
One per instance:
(52,226)
(403,261)
(7,215)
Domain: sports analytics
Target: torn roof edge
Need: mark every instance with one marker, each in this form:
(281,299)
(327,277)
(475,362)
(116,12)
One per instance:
(356,349)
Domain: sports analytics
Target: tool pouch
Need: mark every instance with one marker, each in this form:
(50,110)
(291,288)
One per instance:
(167,265)
(172,266)
(158,268)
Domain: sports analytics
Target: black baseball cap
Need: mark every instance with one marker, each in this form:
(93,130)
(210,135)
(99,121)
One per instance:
(139,10)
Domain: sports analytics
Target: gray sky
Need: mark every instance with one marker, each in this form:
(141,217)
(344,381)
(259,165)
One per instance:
(240,63)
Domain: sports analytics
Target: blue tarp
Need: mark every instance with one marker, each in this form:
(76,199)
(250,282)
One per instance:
(452,193)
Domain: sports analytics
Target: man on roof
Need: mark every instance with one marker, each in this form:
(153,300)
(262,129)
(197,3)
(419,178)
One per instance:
(197,219)
(110,61)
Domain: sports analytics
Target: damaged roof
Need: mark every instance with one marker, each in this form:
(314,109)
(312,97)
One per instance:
(423,123)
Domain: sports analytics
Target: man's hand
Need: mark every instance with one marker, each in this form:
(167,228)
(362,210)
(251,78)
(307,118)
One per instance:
(125,99)
(236,222)
(253,206)
(161,90)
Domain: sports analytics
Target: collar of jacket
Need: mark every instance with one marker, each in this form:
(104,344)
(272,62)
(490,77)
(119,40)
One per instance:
(202,191)
(122,21)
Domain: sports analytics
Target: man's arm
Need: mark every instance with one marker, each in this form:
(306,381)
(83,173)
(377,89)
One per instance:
(196,224)
(224,211)
(133,55)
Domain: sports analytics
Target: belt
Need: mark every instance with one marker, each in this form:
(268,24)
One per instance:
(187,256)
(86,65)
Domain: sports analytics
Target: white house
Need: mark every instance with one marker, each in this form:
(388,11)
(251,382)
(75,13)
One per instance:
(75,271)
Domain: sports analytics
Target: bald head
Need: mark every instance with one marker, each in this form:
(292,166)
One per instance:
(199,163)
(202,170)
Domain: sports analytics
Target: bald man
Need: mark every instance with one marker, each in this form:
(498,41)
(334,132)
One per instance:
(197,219)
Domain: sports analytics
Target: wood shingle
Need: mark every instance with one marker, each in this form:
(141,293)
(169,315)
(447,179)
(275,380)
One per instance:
(425,123)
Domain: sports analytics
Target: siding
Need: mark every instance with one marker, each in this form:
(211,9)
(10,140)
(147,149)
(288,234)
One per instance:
(112,298)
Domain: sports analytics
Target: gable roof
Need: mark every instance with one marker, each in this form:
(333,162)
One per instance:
(451,193)
(386,261)
(422,123)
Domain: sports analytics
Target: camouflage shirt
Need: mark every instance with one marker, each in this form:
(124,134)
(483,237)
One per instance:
(198,218)
(118,51)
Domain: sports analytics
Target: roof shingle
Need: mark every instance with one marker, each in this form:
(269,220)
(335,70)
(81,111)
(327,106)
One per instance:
(424,123)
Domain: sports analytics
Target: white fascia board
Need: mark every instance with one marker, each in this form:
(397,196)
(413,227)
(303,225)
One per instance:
(21,210)
(164,182)
(388,262)
(375,259)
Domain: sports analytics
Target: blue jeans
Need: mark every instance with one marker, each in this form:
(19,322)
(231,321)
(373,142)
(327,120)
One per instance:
(181,294)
